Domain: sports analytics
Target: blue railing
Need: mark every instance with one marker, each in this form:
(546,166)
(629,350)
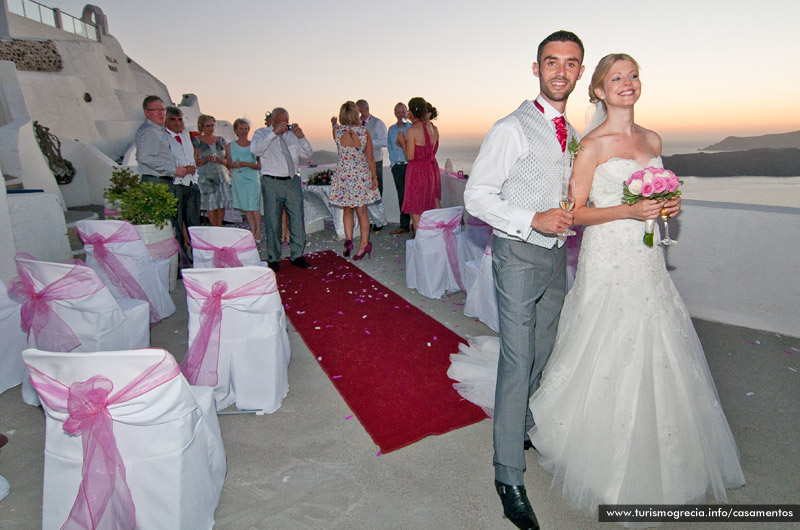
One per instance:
(54,18)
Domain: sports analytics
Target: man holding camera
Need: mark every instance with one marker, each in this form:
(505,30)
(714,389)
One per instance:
(279,149)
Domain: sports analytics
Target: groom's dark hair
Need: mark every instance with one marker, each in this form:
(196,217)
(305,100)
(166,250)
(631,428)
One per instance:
(559,36)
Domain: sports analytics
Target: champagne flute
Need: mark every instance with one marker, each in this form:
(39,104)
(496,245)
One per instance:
(664,218)
(567,201)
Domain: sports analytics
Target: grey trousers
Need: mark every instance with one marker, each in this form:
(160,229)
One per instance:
(531,284)
(277,194)
(379,174)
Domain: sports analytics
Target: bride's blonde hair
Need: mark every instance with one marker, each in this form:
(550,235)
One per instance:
(602,69)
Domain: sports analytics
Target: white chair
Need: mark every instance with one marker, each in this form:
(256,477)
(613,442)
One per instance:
(432,256)
(155,447)
(473,241)
(74,312)
(14,340)
(223,246)
(238,342)
(116,251)
(481,300)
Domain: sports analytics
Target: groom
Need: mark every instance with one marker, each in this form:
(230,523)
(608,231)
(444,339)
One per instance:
(515,187)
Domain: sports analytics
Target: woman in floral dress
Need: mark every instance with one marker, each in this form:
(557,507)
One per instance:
(355,184)
(209,156)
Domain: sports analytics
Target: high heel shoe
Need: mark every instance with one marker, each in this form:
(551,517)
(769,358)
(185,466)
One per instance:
(367,251)
(348,247)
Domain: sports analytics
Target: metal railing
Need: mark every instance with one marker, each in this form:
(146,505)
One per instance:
(55,18)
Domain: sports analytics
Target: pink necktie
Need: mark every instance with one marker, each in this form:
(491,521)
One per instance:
(178,138)
(561,131)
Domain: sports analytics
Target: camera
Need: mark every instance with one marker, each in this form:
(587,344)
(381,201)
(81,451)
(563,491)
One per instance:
(290,126)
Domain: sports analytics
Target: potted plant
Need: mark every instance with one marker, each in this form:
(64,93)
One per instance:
(121,180)
(150,208)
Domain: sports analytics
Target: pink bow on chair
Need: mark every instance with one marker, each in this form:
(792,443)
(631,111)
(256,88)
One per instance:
(448,232)
(37,317)
(200,363)
(225,256)
(114,269)
(104,499)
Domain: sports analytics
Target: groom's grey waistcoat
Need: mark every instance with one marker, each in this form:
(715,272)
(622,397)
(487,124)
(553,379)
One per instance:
(535,179)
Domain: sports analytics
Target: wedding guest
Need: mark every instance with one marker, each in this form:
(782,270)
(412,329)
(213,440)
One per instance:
(397,162)
(377,130)
(245,179)
(627,412)
(185,187)
(355,183)
(284,215)
(437,182)
(515,187)
(419,143)
(279,149)
(153,155)
(209,155)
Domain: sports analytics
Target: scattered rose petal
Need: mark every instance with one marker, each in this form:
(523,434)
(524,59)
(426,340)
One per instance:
(336,377)
(349,417)
(749,394)
(792,369)
(379,453)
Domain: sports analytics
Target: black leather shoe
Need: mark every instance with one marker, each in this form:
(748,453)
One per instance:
(516,506)
(301,262)
(529,444)
(376,228)
(274,265)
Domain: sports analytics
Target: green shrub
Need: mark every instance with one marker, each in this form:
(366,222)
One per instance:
(148,203)
(121,180)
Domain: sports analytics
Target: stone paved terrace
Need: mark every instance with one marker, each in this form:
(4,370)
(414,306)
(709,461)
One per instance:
(307,467)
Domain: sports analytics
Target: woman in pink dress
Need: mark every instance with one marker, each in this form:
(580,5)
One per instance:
(437,182)
(418,144)
(355,183)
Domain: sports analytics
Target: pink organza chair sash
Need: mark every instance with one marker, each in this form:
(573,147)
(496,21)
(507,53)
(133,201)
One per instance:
(448,232)
(200,363)
(49,330)
(164,249)
(114,269)
(225,256)
(104,499)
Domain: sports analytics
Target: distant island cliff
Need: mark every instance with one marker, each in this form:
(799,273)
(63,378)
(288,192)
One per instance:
(769,155)
(769,141)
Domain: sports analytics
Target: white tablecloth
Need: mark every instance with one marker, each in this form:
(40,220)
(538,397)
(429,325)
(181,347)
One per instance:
(317,208)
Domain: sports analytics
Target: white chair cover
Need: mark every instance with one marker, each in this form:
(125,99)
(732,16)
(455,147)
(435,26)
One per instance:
(127,268)
(432,256)
(252,359)
(223,246)
(473,241)
(14,340)
(162,459)
(481,300)
(82,317)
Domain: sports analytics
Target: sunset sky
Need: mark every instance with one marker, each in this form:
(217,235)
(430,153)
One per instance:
(710,68)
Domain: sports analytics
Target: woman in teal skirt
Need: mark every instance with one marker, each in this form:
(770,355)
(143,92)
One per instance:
(245,177)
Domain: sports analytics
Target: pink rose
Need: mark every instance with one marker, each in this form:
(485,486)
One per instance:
(636,176)
(647,189)
(673,182)
(659,184)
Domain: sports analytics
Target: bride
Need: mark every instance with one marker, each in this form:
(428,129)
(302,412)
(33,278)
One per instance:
(627,412)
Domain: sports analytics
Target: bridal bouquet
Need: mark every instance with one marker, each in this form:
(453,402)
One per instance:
(651,183)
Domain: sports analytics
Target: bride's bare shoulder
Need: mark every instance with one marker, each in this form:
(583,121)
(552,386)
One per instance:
(653,139)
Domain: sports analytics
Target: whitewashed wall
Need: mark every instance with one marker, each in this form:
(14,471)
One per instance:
(7,247)
(38,225)
(738,264)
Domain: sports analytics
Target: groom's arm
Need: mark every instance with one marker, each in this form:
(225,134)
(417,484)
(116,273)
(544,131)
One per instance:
(503,145)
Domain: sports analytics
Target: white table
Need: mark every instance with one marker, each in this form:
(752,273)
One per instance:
(317,208)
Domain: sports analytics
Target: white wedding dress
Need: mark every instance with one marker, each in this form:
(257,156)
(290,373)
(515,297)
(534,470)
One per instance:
(628,412)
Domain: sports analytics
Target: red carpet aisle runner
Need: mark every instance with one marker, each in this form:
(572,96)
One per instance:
(386,358)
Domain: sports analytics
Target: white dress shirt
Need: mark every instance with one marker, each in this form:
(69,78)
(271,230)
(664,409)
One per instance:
(504,144)
(377,130)
(183,153)
(266,146)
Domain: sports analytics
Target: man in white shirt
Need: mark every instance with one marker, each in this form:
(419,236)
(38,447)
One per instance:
(515,187)
(397,163)
(279,149)
(186,189)
(377,130)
